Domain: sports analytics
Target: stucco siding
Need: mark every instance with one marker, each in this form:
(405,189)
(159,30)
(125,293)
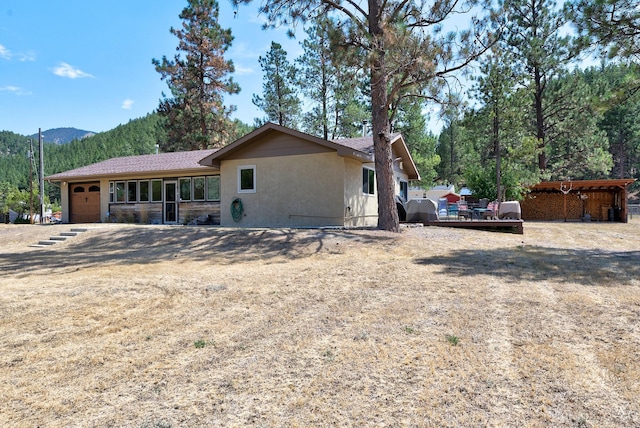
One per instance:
(362,208)
(291,191)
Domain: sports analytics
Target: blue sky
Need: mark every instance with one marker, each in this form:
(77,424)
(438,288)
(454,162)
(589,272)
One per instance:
(87,64)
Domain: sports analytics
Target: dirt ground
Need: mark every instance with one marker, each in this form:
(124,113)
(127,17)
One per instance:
(154,326)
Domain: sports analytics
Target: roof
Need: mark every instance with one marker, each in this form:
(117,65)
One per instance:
(156,163)
(584,184)
(356,148)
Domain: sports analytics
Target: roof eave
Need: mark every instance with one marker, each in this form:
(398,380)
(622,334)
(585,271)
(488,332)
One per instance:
(134,174)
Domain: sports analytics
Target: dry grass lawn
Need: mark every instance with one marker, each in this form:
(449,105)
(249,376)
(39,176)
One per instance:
(200,326)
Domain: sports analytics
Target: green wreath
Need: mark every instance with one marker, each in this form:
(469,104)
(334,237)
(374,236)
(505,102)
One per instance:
(236,209)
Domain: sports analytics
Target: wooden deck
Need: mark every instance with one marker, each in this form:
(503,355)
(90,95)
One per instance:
(513,226)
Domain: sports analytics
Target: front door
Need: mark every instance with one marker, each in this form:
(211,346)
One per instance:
(170,202)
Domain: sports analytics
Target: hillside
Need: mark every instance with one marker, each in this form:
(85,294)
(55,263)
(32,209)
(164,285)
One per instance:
(138,136)
(63,135)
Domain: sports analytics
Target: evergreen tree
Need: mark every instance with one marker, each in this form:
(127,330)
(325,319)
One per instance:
(612,25)
(541,53)
(279,99)
(195,115)
(501,130)
(412,124)
(332,86)
(449,146)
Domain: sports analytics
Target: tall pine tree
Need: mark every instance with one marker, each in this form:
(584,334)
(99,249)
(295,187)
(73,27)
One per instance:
(279,99)
(198,78)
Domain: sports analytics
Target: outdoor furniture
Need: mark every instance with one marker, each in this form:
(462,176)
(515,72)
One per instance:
(453,211)
(463,210)
(421,211)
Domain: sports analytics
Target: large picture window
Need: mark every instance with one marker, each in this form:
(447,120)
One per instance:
(213,188)
(368,181)
(247,179)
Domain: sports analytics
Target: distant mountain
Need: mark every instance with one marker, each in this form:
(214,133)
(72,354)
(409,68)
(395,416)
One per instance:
(63,135)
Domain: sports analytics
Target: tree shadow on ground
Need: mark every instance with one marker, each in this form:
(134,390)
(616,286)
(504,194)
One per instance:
(536,263)
(146,245)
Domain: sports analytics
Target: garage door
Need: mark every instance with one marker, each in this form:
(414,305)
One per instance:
(85,203)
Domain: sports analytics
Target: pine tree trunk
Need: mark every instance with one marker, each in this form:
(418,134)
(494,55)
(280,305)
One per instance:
(387,213)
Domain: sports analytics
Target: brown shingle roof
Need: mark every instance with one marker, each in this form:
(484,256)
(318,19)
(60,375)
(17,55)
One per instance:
(160,163)
(363,144)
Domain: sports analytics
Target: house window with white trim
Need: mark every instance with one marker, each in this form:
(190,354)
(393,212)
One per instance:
(368,181)
(120,192)
(185,189)
(247,179)
(156,190)
(111,192)
(198,188)
(213,188)
(132,191)
(404,190)
(143,188)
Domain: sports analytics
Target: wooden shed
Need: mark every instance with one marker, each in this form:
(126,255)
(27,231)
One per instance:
(587,200)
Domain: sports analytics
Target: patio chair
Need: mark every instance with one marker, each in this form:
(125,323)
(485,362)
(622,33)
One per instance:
(463,210)
(452,211)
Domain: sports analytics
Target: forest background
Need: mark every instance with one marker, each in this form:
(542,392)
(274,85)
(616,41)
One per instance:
(525,111)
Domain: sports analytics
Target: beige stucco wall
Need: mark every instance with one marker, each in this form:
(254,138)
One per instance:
(291,191)
(363,207)
(64,201)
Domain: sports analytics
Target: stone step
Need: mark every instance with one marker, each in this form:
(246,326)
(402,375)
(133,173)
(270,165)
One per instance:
(48,242)
(79,229)
(68,234)
(58,238)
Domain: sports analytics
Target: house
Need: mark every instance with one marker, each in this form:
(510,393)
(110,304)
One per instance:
(272,177)
(590,200)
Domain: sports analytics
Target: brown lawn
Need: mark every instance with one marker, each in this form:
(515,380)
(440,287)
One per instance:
(198,326)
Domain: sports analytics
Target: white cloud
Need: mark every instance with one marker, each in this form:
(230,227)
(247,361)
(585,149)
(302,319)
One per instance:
(126,104)
(15,90)
(5,53)
(27,56)
(66,70)
(21,56)
(242,71)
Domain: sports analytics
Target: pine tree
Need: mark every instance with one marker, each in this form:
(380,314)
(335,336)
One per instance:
(612,25)
(279,99)
(339,106)
(195,114)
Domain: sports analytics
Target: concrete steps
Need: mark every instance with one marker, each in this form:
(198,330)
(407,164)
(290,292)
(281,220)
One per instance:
(61,237)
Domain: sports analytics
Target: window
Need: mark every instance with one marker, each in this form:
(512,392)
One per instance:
(156,190)
(213,188)
(111,190)
(120,193)
(198,188)
(185,189)
(368,181)
(132,191)
(144,191)
(247,179)
(404,190)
